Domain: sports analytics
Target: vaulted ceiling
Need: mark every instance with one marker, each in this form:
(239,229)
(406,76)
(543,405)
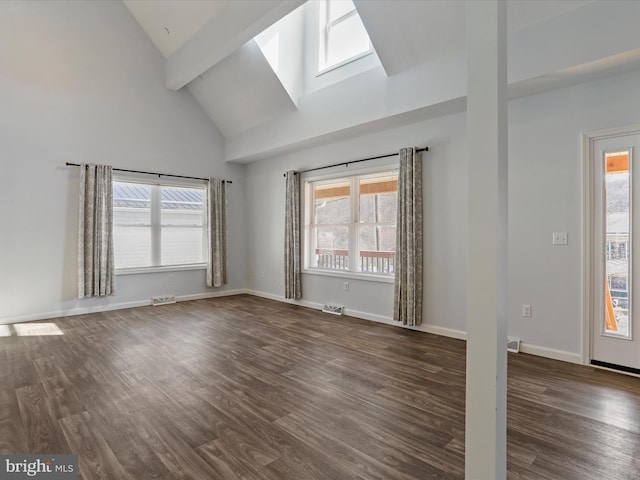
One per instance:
(209,47)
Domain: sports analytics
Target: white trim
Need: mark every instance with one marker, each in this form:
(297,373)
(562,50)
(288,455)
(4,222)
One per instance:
(347,61)
(588,140)
(620,131)
(537,350)
(615,370)
(114,306)
(350,275)
(552,353)
(156,183)
(308,207)
(30,317)
(212,294)
(435,329)
(160,269)
(387,164)
(280,298)
(167,180)
(587,267)
(424,328)
(324,29)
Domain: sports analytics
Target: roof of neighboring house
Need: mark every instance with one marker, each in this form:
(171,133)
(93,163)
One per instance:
(136,195)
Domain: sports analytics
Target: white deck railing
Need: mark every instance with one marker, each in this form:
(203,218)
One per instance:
(371,261)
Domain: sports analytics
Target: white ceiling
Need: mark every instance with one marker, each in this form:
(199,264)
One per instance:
(409,32)
(170,23)
(207,50)
(242,91)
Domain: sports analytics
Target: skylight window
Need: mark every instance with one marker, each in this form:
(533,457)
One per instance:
(343,37)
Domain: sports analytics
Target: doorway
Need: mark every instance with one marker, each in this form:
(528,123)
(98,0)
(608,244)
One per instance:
(613,238)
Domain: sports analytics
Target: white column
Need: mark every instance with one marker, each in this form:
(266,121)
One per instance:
(486,401)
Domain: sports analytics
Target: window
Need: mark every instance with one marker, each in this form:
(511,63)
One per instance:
(158,225)
(618,203)
(350,223)
(343,37)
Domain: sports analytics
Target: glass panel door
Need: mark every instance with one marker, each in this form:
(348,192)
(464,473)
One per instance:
(617,242)
(615,323)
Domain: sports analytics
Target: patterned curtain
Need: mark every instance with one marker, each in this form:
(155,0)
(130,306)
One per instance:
(95,233)
(217,233)
(292,256)
(407,301)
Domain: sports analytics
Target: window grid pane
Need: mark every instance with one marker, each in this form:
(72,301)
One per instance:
(181,217)
(339,8)
(369,239)
(377,231)
(346,39)
(131,224)
(342,35)
(617,246)
(176,237)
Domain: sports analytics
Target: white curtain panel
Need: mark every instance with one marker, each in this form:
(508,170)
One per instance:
(217,233)
(292,255)
(96,276)
(408,267)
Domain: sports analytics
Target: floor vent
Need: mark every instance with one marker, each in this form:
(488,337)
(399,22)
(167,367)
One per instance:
(163,300)
(513,345)
(333,309)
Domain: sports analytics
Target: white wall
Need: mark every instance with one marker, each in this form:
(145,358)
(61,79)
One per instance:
(545,183)
(286,55)
(445,222)
(81,82)
(545,192)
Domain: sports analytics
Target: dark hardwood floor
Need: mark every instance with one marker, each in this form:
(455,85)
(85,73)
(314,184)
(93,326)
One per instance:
(247,388)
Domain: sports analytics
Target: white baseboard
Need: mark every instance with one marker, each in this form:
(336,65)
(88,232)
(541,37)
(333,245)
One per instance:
(552,353)
(278,298)
(613,370)
(32,317)
(212,294)
(435,329)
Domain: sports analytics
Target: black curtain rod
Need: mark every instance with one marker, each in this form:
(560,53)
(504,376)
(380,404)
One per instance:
(69,164)
(425,149)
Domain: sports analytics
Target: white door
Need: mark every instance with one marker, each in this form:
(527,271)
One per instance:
(615,320)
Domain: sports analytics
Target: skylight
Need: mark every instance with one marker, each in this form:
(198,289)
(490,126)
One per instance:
(306,48)
(343,37)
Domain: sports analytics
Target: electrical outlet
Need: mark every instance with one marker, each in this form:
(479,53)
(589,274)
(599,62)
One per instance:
(346,286)
(526,310)
(560,238)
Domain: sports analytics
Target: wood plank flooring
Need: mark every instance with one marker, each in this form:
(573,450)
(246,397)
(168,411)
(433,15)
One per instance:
(247,388)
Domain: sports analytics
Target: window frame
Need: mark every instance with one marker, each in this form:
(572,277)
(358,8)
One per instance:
(156,221)
(324,30)
(307,237)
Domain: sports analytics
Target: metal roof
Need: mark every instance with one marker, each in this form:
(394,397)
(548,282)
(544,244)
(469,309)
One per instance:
(135,195)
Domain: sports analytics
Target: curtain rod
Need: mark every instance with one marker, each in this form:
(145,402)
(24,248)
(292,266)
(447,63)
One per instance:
(69,164)
(425,149)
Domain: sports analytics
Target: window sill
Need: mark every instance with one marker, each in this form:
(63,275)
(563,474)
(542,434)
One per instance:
(322,71)
(167,268)
(351,275)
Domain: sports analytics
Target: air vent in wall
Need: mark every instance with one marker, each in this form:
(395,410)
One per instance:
(333,309)
(163,300)
(513,345)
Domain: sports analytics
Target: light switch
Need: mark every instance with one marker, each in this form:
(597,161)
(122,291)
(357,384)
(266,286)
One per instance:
(560,238)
